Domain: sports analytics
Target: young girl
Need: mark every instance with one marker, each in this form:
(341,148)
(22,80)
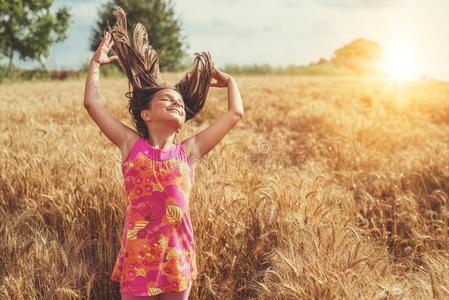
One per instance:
(157,258)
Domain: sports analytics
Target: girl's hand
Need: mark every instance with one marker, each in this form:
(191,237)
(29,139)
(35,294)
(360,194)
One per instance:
(222,79)
(101,54)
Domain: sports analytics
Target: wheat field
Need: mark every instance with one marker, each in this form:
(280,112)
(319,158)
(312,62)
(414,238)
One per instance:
(329,188)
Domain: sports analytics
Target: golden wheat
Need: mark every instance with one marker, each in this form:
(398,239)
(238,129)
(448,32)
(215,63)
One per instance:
(328,188)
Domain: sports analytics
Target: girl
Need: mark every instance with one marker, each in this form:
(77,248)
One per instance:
(157,257)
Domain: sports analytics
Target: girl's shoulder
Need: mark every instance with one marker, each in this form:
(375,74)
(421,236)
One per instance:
(184,155)
(131,148)
(186,151)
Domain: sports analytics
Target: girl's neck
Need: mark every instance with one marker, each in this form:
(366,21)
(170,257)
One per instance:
(161,137)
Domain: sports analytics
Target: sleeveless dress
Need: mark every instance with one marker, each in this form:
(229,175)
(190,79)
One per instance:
(157,250)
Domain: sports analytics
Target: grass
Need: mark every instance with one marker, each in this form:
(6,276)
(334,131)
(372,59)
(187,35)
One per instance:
(330,187)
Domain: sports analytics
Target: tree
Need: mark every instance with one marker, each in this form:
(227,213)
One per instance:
(28,27)
(158,18)
(360,55)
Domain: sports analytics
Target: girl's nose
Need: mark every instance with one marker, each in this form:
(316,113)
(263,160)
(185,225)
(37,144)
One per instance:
(177,104)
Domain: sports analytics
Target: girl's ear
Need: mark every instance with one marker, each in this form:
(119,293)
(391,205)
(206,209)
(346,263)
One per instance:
(146,115)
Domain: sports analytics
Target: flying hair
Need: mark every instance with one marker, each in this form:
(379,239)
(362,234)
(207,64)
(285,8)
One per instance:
(140,63)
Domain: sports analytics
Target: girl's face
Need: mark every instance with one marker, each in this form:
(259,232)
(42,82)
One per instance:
(167,106)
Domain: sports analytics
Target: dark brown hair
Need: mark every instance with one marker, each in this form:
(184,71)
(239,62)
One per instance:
(140,63)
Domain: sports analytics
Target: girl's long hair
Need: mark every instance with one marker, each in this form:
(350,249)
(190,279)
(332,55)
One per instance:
(140,63)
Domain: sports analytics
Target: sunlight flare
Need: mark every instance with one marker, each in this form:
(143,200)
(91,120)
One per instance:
(399,62)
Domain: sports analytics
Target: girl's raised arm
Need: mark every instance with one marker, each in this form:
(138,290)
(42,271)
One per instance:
(201,143)
(119,134)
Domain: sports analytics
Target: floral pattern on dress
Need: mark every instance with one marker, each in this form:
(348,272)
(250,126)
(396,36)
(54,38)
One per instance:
(157,251)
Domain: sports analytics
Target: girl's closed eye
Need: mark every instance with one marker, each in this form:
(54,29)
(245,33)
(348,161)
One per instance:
(177,103)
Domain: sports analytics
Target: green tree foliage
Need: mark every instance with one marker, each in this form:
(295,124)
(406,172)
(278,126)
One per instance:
(28,28)
(360,55)
(158,18)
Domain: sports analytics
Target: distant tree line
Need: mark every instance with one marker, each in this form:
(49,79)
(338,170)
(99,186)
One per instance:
(355,58)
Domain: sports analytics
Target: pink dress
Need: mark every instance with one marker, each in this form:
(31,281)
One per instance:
(158,250)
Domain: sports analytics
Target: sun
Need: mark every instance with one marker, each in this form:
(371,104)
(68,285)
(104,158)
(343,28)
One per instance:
(399,62)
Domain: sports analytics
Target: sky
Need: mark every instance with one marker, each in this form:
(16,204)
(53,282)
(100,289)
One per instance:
(283,32)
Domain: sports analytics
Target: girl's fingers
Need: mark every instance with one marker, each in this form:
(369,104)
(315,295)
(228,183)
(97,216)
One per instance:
(103,41)
(107,37)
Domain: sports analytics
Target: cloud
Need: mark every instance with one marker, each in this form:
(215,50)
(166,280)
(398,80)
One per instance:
(84,11)
(360,4)
(290,3)
(218,27)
